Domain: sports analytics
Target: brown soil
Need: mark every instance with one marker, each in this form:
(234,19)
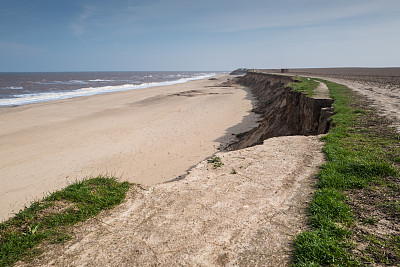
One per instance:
(381,85)
(283,112)
(376,208)
(377,228)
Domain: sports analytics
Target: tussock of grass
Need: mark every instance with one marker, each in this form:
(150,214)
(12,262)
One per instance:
(356,157)
(217,162)
(304,85)
(48,219)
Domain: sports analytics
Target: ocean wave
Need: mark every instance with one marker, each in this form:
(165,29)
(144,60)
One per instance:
(63,82)
(101,80)
(87,91)
(13,88)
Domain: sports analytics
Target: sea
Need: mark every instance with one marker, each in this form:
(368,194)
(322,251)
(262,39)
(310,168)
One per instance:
(27,88)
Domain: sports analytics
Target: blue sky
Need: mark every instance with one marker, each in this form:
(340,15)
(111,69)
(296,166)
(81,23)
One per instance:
(134,35)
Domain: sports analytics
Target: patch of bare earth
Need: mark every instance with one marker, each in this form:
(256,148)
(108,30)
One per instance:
(380,85)
(377,229)
(243,213)
(377,207)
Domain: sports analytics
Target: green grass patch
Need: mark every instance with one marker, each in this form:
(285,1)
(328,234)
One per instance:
(304,85)
(49,219)
(360,150)
(216,161)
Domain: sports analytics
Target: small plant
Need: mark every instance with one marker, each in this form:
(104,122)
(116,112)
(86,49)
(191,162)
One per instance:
(370,220)
(233,171)
(31,230)
(216,161)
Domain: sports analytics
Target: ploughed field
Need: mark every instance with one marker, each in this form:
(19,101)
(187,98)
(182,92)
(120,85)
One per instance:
(380,85)
(388,78)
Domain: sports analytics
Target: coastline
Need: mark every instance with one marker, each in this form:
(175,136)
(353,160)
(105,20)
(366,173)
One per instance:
(244,211)
(145,136)
(264,188)
(40,87)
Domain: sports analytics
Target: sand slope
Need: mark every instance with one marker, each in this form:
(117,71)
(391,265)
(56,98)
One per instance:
(145,136)
(213,217)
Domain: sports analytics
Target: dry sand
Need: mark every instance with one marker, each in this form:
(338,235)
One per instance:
(244,213)
(245,217)
(146,136)
(213,217)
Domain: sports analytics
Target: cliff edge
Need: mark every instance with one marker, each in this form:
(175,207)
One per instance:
(243,211)
(284,112)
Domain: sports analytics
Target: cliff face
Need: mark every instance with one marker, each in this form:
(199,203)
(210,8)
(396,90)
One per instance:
(240,71)
(283,111)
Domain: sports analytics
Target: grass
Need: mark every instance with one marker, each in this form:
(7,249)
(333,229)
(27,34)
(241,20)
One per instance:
(49,220)
(304,85)
(216,161)
(362,155)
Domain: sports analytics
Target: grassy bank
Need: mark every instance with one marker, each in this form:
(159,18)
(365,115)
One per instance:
(362,160)
(304,85)
(50,219)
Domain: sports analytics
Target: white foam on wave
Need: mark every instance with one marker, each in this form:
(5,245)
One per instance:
(100,80)
(14,88)
(48,96)
(63,82)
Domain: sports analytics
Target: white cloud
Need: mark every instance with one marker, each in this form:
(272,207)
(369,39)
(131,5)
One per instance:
(247,16)
(79,24)
(129,17)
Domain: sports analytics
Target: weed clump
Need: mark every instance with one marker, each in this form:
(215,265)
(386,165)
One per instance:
(216,161)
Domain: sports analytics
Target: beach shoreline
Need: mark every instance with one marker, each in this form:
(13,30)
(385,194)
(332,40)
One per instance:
(145,136)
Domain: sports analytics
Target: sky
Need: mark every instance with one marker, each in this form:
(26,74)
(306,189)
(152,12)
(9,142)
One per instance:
(184,35)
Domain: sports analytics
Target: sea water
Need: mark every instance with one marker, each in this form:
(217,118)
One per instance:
(26,88)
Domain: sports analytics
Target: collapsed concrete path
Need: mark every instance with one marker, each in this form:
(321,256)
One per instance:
(244,213)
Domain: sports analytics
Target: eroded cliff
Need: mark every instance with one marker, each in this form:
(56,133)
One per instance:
(283,111)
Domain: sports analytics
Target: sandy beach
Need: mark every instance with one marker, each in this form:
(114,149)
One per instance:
(146,136)
(243,212)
